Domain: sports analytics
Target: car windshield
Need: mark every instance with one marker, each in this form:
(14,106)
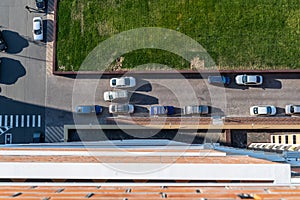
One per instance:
(244,79)
(38,32)
(257,79)
(269,110)
(292,109)
(255,110)
(127,81)
(113,82)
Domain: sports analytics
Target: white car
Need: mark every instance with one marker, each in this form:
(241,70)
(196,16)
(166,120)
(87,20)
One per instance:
(37,28)
(121,108)
(263,110)
(292,109)
(123,82)
(248,79)
(114,95)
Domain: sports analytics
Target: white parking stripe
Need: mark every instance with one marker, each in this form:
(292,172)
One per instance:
(33,120)
(28,120)
(0,120)
(17,121)
(11,121)
(5,120)
(22,121)
(39,120)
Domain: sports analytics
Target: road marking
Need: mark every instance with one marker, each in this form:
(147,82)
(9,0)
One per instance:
(11,121)
(33,120)
(28,120)
(39,120)
(0,120)
(17,121)
(22,121)
(5,120)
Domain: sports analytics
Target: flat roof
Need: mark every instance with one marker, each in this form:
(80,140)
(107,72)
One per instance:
(148,192)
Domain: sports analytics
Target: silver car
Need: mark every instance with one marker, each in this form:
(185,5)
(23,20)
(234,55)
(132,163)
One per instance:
(262,110)
(195,109)
(292,109)
(115,95)
(248,79)
(121,108)
(123,82)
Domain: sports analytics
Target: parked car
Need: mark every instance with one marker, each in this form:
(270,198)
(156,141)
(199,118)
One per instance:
(123,82)
(292,109)
(249,79)
(162,110)
(3,45)
(40,4)
(121,108)
(88,109)
(195,109)
(115,95)
(37,28)
(263,110)
(218,80)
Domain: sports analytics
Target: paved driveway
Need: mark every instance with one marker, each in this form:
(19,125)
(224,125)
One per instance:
(23,70)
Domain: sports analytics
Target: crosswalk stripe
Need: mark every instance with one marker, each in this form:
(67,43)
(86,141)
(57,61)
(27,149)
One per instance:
(39,120)
(17,121)
(28,120)
(0,120)
(5,120)
(22,120)
(33,120)
(11,121)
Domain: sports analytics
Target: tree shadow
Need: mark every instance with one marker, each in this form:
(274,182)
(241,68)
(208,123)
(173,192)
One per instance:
(143,85)
(10,71)
(15,42)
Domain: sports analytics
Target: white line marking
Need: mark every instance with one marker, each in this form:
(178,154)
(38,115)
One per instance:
(22,121)
(39,120)
(0,120)
(28,120)
(17,121)
(11,121)
(33,120)
(5,120)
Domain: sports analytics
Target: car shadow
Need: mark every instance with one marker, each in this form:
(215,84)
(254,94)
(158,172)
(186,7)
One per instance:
(142,99)
(214,111)
(140,111)
(15,42)
(143,86)
(280,112)
(10,71)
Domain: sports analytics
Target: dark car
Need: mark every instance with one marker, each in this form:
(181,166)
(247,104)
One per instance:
(88,109)
(162,110)
(219,80)
(3,45)
(40,4)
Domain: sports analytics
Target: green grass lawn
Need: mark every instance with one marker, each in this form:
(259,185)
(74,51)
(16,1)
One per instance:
(238,34)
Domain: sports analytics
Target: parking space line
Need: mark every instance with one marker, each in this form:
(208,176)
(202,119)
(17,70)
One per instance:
(5,120)
(22,121)
(17,121)
(28,120)
(11,121)
(0,120)
(33,120)
(39,120)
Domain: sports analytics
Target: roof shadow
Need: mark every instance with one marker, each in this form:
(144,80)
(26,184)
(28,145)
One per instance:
(15,42)
(10,71)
